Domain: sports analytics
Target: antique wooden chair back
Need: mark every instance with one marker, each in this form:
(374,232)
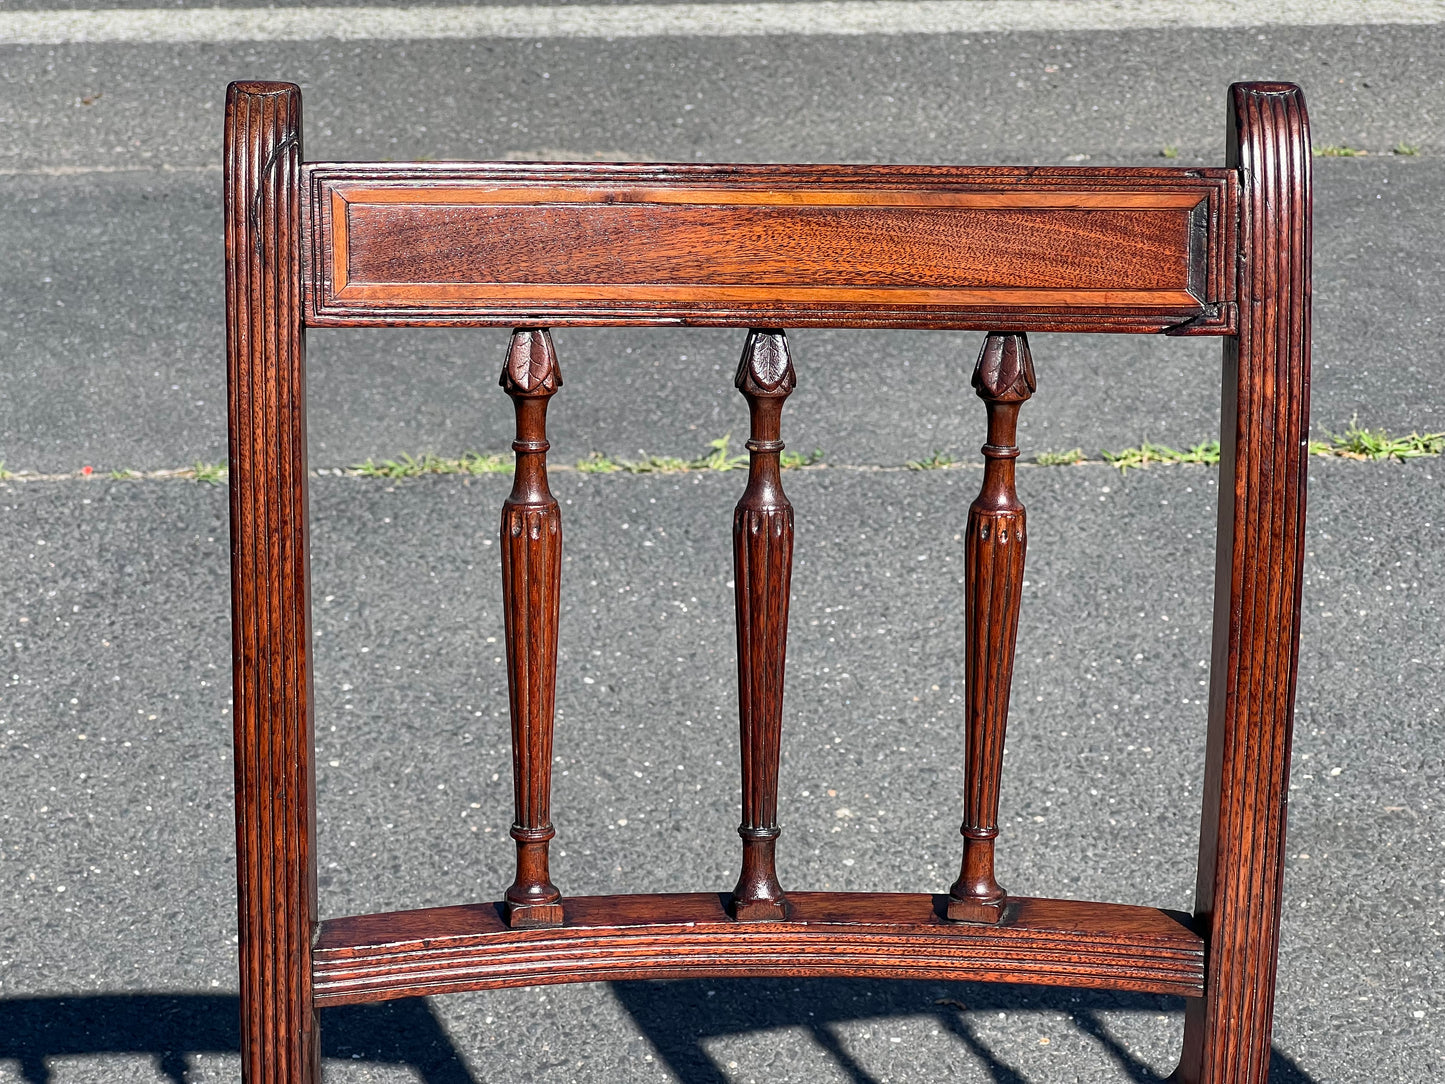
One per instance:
(1220,251)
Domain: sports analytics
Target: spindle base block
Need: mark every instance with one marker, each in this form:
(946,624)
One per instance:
(532,916)
(990,911)
(763,910)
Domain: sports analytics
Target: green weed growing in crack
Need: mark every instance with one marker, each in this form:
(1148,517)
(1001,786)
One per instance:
(658,464)
(937,461)
(797,460)
(1147,454)
(597,463)
(210,473)
(1061,459)
(1337,150)
(409,466)
(476,463)
(1356,442)
(1408,150)
(718,458)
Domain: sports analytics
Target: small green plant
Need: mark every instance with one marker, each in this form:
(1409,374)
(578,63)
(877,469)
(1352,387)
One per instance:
(657,464)
(937,461)
(410,466)
(796,460)
(404,466)
(718,458)
(1060,459)
(597,463)
(124,474)
(1147,454)
(1169,151)
(4,474)
(210,473)
(1356,442)
(477,463)
(1408,150)
(1336,150)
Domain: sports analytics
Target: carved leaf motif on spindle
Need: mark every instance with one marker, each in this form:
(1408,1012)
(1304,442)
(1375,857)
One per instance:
(1005,369)
(531,363)
(766,363)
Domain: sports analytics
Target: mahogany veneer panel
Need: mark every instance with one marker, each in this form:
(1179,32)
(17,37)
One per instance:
(673,936)
(1118,250)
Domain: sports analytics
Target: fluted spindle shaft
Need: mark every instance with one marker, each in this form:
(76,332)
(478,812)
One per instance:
(993,590)
(763,555)
(531,590)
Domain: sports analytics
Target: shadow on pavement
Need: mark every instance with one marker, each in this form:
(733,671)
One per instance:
(169,1027)
(678,1017)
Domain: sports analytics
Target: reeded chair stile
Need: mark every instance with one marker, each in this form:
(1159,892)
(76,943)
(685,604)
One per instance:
(1210,251)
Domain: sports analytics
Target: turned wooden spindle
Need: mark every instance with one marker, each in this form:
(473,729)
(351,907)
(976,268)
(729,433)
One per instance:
(531,589)
(763,556)
(993,590)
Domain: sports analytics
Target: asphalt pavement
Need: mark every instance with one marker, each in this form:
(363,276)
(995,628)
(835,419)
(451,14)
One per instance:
(117,952)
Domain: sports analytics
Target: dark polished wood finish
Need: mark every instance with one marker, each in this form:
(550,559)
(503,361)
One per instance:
(763,563)
(993,591)
(874,935)
(1139,250)
(270,584)
(1257,580)
(531,604)
(1220,251)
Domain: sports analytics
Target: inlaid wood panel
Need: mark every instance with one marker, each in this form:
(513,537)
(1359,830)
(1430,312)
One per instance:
(1124,250)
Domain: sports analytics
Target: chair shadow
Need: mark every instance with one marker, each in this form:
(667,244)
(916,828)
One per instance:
(172,1027)
(678,1017)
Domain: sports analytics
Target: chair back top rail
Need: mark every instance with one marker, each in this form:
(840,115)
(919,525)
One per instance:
(1136,250)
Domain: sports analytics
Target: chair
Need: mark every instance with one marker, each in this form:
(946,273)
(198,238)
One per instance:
(1216,251)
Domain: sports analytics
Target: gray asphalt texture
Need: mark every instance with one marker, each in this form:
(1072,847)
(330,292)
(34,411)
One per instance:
(117,957)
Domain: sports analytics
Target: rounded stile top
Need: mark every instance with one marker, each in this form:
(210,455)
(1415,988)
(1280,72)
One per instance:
(263,87)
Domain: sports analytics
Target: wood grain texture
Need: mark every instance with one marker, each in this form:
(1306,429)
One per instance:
(993,592)
(270,583)
(1184,251)
(763,564)
(904,246)
(531,538)
(1258,576)
(874,935)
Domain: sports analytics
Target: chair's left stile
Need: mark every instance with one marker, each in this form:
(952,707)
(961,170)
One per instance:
(270,584)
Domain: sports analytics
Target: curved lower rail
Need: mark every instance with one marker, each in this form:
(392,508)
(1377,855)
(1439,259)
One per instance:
(868,935)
